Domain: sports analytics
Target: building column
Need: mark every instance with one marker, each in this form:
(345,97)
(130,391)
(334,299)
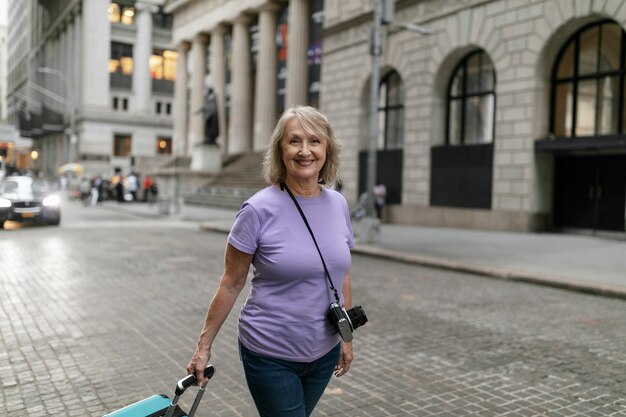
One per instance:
(63,57)
(95,54)
(198,72)
(297,53)
(59,63)
(181,147)
(71,55)
(76,62)
(142,83)
(265,95)
(240,133)
(51,83)
(218,82)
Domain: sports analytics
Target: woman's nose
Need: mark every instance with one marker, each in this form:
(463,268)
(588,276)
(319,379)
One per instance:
(304,149)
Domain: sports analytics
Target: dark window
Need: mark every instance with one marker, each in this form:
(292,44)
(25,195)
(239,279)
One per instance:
(115,103)
(158,107)
(588,83)
(471,101)
(391,112)
(162,19)
(125,104)
(164,146)
(121,59)
(121,145)
(168,108)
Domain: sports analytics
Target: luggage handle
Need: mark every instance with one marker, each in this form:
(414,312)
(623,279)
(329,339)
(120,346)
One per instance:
(182,386)
(191,379)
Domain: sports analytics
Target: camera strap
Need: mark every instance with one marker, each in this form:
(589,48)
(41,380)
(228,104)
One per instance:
(284,187)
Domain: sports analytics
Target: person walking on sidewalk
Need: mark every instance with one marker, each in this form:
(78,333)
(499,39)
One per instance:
(147,183)
(288,347)
(132,185)
(380,197)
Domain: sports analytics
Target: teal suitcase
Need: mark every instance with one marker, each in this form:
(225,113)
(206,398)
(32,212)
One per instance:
(161,405)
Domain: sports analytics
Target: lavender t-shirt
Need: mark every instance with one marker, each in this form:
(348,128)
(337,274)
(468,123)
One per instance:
(284,316)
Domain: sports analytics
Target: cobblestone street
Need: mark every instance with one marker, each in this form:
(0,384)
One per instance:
(106,309)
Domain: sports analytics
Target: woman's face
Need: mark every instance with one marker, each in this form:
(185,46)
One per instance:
(304,153)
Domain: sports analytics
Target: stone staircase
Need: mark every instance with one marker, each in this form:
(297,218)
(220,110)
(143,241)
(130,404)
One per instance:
(241,177)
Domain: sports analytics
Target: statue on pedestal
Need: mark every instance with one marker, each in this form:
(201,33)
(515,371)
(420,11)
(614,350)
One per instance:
(211,120)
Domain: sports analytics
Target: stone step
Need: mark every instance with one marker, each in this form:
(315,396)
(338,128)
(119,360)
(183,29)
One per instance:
(241,178)
(219,201)
(229,191)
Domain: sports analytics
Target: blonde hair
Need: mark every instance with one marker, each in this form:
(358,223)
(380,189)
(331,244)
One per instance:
(313,122)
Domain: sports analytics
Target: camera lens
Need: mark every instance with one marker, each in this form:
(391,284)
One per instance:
(357,317)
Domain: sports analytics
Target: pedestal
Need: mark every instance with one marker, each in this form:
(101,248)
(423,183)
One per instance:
(176,181)
(206,158)
(367,230)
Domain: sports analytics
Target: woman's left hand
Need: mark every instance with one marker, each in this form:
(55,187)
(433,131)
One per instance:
(345,359)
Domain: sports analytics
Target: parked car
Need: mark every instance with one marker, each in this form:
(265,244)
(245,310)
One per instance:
(26,199)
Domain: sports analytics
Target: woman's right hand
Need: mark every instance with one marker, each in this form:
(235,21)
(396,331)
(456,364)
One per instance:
(198,363)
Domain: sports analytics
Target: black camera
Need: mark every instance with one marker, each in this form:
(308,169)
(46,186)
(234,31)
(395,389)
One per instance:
(346,321)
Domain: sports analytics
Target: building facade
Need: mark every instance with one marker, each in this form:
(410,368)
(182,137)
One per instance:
(258,57)
(3,73)
(508,116)
(92,81)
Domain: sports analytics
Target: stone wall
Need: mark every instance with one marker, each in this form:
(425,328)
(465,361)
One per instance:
(521,37)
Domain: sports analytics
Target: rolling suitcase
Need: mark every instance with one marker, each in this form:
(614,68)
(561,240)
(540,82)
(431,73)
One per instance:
(161,405)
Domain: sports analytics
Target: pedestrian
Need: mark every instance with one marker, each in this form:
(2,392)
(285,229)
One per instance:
(288,347)
(380,196)
(132,185)
(119,189)
(147,183)
(154,192)
(63,180)
(96,184)
(84,188)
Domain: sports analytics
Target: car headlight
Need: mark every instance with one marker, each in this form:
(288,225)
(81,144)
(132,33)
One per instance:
(4,203)
(51,201)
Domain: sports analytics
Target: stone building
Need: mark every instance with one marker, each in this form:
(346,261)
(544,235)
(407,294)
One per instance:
(258,56)
(508,116)
(92,81)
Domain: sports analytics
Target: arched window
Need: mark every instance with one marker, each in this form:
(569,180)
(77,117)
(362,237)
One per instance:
(588,83)
(471,101)
(391,112)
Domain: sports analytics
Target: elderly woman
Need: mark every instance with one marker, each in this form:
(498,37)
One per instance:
(288,347)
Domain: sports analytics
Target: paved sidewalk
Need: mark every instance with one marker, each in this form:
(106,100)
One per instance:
(582,263)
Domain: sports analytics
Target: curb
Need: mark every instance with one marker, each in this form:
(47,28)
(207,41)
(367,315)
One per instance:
(497,273)
(489,272)
(129,210)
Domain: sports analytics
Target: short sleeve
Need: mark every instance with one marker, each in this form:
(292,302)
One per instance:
(244,235)
(351,242)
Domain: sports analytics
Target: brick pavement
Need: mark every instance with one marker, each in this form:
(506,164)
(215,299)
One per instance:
(99,315)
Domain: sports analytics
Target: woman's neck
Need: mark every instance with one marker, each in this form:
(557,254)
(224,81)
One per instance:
(303,189)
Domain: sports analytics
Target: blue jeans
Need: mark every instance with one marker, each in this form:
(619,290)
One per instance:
(283,388)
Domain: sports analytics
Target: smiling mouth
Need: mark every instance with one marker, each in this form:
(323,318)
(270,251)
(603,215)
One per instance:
(306,162)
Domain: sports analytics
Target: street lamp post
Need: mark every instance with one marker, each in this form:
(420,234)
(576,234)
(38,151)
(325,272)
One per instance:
(383,14)
(370,225)
(72,129)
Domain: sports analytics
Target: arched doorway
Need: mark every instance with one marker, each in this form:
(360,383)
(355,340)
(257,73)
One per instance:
(588,129)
